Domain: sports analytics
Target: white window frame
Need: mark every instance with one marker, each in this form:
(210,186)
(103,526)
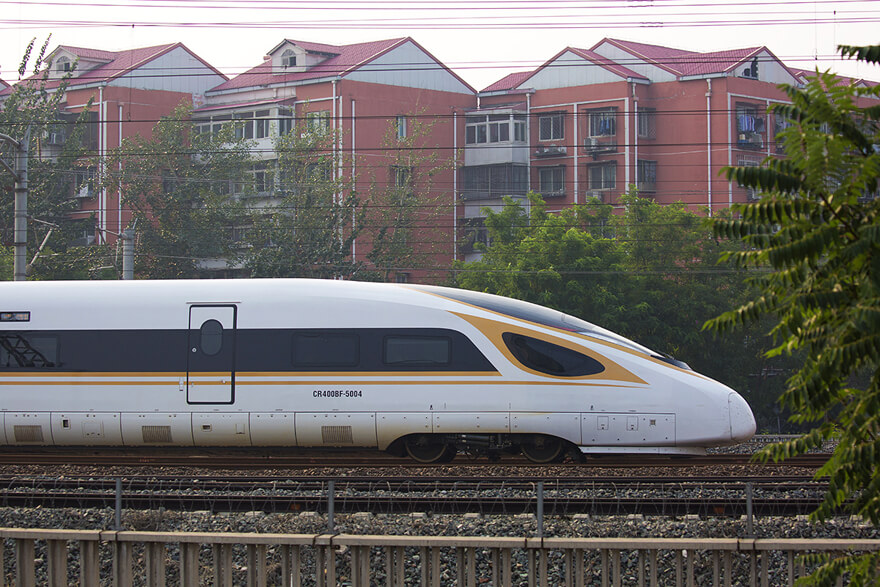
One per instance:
(551,126)
(607,179)
(554,176)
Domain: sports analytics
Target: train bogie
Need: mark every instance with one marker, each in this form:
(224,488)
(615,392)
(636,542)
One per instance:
(414,370)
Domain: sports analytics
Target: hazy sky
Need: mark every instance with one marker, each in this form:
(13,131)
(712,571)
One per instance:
(482,40)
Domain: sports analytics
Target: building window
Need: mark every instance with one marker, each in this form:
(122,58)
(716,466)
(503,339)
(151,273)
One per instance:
(285,121)
(85,182)
(244,125)
(318,122)
(63,65)
(780,123)
(647,176)
(494,181)
(752,194)
(749,127)
(476,235)
(603,177)
(647,118)
(550,126)
(288,59)
(519,128)
(494,128)
(551,181)
(402,181)
(261,124)
(400,126)
(259,183)
(603,122)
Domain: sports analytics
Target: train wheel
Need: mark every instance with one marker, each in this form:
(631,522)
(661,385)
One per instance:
(543,449)
(425,449)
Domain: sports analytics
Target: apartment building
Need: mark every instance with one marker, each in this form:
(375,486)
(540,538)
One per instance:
(589,123)
(371,97)
(125,92)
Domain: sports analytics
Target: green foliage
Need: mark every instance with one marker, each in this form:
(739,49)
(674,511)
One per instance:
(815,233)
(649,274)
(177,184)
(35,109)
(308,227)
(403,210)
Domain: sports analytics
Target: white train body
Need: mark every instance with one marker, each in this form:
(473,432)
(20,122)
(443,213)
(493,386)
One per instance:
(310,363)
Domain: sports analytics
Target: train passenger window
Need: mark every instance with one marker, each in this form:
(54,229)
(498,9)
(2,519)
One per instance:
(417,350)
(21,350)
(550,358)
(325,349)
(211,337)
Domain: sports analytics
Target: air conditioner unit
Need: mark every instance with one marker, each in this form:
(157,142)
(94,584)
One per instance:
(599,195)
(752,195)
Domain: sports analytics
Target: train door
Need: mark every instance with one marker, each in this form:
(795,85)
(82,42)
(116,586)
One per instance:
(210,365)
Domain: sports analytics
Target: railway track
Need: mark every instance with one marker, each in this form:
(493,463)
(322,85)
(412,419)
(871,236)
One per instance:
(719,496)
(345,458)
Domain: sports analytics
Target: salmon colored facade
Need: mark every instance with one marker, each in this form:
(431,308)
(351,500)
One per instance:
(587,124)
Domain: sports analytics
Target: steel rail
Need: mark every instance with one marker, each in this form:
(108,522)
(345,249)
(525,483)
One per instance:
(726,507)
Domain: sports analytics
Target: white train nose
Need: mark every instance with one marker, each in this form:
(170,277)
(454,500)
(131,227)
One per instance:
(742,421)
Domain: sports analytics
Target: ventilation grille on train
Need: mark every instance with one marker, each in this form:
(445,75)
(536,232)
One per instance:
(336,435)
(29,433)
(155,434)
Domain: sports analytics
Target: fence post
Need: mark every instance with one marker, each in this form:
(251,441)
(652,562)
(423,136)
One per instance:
(540,513)
(331,523)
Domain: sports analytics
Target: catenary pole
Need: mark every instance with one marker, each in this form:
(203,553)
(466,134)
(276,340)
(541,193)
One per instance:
(20,174)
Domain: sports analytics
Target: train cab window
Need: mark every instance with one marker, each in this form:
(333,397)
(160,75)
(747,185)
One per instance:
(19,350)
(326,349)
(211,337)
(549,358)
(417,350)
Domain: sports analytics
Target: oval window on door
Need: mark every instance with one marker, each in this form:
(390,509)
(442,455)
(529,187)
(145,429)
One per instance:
(211,337)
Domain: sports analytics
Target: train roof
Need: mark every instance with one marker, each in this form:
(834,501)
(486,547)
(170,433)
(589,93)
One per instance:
(140,295)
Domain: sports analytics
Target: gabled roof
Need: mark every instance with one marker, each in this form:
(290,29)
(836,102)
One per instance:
(516,80)
(803,75)
(115,64)
(344,59)
(3,85)
(508,82)
(684,63)
(309,47)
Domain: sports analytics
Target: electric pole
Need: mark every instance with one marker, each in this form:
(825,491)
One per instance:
(20,174)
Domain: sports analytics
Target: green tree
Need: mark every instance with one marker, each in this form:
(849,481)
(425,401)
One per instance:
(179,185)
(35,107)
(649,274)
(816,233)
(404,208)
(307,227)
(555,260)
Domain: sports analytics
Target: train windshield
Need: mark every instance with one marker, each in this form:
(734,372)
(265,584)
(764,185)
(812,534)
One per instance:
(544,316)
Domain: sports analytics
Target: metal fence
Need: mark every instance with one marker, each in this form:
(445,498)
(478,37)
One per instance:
(66,557)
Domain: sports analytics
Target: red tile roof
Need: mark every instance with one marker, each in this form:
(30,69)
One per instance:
(682,62)
(804,74)
(514,80)
(115,63)
(346,58)
(508,82)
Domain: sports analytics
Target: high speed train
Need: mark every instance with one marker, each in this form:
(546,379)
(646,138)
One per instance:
(414,370)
